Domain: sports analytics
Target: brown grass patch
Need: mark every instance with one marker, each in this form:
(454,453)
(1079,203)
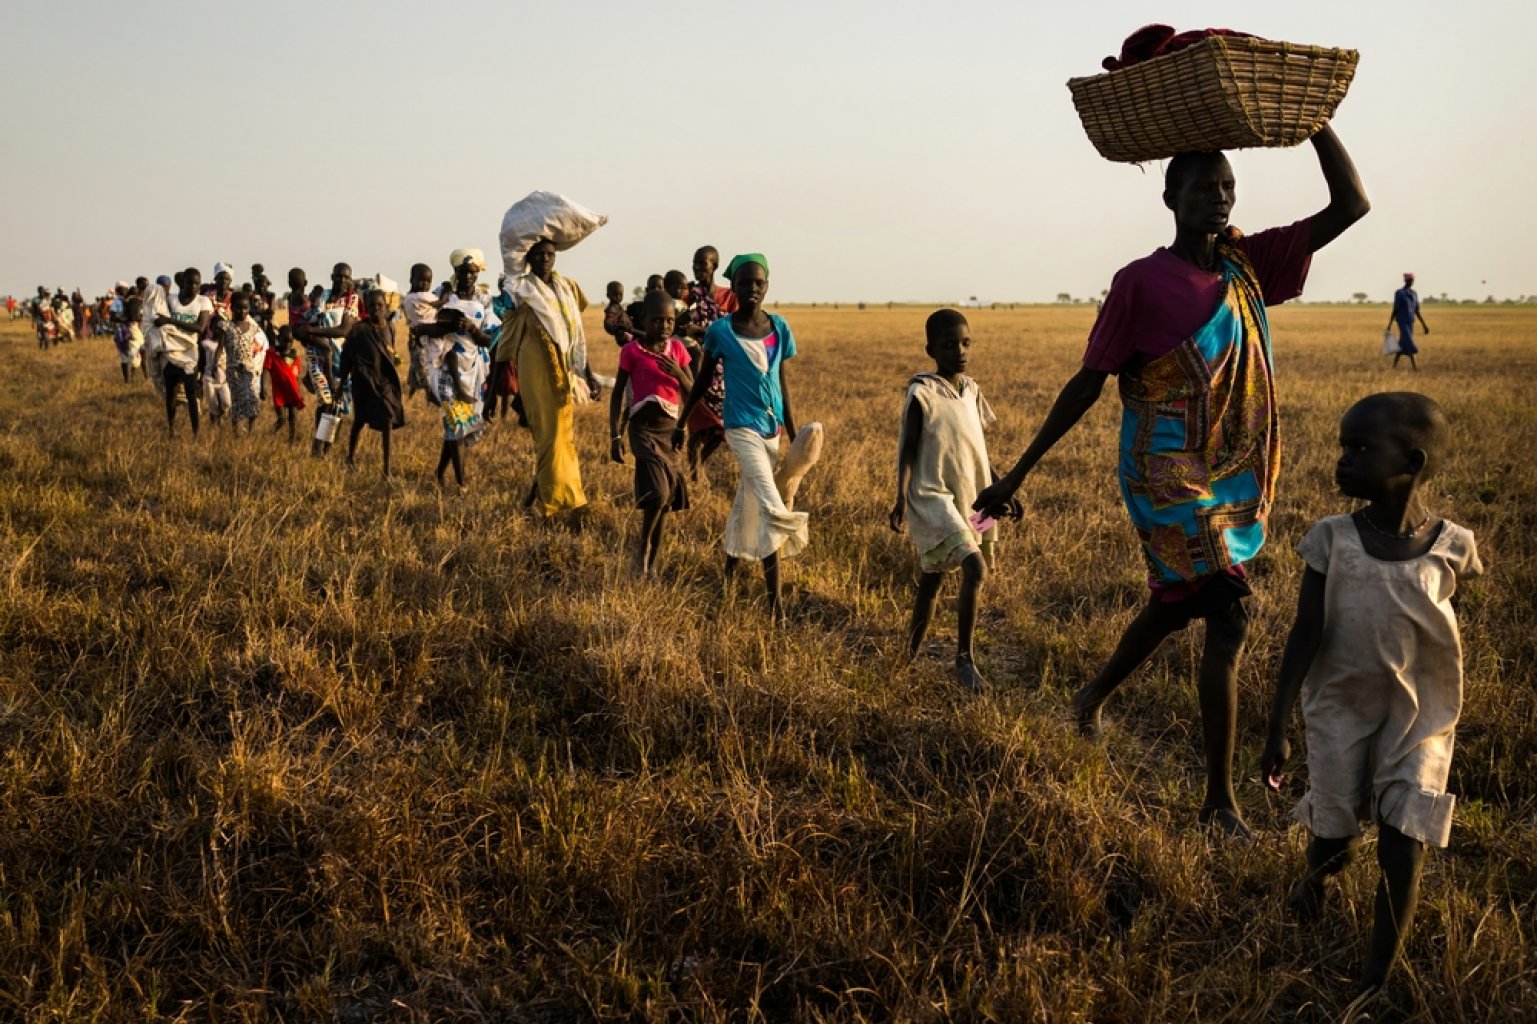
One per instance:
(285,743)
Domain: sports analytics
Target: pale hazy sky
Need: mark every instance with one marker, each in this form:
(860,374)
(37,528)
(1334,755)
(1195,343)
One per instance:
(909,151)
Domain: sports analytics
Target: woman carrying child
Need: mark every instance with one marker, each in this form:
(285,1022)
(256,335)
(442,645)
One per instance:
(752,345)
(1185,330)
(368,365)
(129,336)
(1376,657)
(420,307)
(156,305)
(656,369)
(330,319)
(215,368)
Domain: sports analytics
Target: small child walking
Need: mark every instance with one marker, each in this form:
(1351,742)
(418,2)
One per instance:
(368,365)
(656,368)
(284,364)
(458,369)
(130,337)
(245,354)
(1376,657)
(941,468)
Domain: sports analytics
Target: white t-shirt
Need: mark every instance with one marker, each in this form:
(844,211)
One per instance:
(180,342)
(419,308)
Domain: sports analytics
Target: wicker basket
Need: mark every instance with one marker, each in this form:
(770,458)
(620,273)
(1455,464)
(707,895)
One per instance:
(1225,92)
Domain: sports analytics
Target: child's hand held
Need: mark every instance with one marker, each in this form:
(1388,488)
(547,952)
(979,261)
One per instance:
(1277,753)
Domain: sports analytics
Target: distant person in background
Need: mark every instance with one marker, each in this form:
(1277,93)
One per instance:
(1406,309)
(42,319)
(129,337)
(1185,330)
(64,316)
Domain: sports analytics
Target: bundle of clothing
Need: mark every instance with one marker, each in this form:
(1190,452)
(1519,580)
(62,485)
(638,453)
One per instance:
(1151,41)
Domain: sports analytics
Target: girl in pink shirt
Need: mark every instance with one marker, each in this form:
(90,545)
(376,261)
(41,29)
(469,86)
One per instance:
(656,368)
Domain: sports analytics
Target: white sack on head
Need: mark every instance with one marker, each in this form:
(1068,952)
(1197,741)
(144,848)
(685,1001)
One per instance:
(543,215)
(384,284)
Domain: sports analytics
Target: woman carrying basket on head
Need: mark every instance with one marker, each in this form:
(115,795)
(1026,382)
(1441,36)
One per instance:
(1185,331)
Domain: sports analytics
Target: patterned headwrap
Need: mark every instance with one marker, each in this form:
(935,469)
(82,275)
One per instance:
(475,256)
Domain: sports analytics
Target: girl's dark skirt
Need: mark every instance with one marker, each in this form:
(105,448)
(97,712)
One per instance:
(659,478)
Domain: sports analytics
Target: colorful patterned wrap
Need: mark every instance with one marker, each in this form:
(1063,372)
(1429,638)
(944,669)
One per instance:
(703,311)
(1200,448)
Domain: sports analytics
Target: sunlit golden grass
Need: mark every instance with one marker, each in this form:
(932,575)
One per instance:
(281,742)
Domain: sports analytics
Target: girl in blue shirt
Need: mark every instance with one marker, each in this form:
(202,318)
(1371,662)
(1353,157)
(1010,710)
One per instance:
(752,346)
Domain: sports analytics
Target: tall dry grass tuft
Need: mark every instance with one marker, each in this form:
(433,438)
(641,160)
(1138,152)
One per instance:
(280,742)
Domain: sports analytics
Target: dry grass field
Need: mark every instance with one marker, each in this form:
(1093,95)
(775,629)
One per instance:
(279,742)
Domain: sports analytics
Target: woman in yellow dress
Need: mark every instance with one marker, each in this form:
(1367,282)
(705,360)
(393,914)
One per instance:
(543,336)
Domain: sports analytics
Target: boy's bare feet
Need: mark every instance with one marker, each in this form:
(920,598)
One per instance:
(1306,900)
(1361,1006)
(967,675)
(1227,821)
(1087,715)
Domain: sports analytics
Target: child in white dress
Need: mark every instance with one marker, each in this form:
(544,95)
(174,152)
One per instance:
(420,307)
(1376,657)
(941,468)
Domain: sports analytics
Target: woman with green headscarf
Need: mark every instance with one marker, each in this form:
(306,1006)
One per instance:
(752,346)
